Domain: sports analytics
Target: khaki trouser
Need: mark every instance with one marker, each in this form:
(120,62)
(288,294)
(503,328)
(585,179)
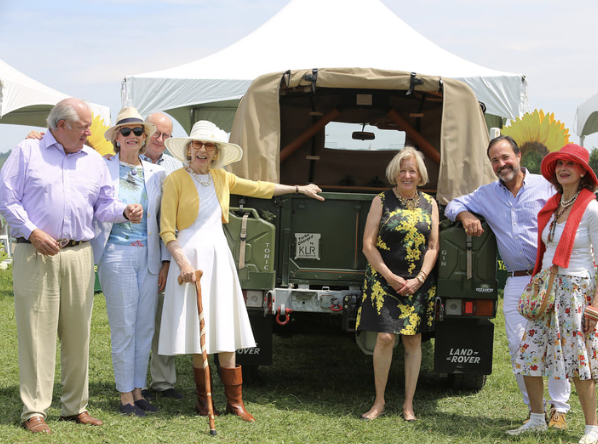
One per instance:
(162,367)
(53,298)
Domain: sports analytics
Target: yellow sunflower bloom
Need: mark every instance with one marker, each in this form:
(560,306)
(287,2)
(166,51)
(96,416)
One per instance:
(537,134)
(97,140)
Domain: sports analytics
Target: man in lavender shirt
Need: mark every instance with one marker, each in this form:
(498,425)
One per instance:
(50,191)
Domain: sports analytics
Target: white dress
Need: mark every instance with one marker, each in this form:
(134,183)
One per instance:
(227,322)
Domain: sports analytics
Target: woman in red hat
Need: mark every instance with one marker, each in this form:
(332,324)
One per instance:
(564,342)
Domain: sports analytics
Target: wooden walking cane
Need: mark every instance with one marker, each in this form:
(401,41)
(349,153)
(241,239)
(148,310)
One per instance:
(204,353)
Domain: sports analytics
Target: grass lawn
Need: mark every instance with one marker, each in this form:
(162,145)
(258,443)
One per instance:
(313,393)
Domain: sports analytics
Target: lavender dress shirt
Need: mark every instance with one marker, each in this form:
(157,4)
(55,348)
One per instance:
(43,187)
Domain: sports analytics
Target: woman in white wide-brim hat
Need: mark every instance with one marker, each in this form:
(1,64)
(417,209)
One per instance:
(195,204)
(129,259)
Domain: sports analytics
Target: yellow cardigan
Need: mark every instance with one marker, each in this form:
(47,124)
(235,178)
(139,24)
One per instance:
(180,201)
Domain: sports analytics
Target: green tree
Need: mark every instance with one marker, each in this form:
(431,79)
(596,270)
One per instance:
(594,159)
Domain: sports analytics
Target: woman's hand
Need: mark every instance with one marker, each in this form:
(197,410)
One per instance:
(311,190)
(410,287)
(589,325)
(396,282)
(187,273)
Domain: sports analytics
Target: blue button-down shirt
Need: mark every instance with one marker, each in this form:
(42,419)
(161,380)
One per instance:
(513,219)
(43,187)
(166,161)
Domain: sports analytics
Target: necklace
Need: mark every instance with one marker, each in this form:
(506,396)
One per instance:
(558,213)
(197,177)
(410,204)
(567,203)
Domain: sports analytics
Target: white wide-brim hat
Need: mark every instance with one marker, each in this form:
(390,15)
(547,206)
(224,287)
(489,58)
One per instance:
(206,131)
(129,116)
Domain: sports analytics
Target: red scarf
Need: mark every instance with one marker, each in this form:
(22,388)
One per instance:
(565,246)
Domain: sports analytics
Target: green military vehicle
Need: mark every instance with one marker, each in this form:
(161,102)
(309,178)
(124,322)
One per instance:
(300,261)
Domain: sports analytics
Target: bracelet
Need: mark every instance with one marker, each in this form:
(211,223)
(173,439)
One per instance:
(424,273)
(296,189)
(591,313)
(420,279)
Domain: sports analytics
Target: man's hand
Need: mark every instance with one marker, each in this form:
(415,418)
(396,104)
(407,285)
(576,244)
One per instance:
(471,224)
(163,275)
(34,135)
(134,212)
(44,243)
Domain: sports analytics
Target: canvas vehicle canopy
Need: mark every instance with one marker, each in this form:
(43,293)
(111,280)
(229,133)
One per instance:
(442,117)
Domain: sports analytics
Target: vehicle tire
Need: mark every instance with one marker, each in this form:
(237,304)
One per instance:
(471,382)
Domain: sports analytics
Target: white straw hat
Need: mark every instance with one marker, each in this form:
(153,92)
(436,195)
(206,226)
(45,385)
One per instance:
(129,116)
(206,131)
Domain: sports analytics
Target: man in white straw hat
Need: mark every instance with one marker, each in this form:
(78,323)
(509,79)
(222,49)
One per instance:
(50,190)
(194,207)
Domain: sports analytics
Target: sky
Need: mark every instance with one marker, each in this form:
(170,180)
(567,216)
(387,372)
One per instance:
(85,48)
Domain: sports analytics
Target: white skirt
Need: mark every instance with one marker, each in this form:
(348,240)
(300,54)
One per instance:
(227,322)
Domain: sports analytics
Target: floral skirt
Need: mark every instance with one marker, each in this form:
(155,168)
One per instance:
(555,345)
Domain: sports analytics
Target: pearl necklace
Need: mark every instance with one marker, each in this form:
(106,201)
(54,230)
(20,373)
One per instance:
(557,214)
(410,204)
(568,203)
(197,177)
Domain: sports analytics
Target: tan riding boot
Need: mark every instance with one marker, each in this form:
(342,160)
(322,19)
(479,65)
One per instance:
(200,388)
(232,378)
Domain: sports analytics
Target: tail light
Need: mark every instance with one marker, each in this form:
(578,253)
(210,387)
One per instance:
(469,307)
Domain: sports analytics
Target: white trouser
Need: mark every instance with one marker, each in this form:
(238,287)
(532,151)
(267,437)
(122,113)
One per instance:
(558,390)
(131,293)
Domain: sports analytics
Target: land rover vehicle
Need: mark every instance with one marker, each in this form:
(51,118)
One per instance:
(300,261)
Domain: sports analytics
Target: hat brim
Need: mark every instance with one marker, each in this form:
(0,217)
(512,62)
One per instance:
(548,166)
(227,152)
(150,129)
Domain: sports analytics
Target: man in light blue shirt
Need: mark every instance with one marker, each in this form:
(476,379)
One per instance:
(162,368)
(510,206)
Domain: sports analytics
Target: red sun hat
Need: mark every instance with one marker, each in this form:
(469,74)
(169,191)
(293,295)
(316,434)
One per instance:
(573,152)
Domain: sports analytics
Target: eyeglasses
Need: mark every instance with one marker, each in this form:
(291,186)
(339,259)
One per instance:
(208,145)
(138,131)
(164,136)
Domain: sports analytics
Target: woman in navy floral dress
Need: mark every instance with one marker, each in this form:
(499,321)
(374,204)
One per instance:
(401,244)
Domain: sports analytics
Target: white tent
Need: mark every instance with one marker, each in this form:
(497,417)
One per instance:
(313,34)
(24,101)
(586,118)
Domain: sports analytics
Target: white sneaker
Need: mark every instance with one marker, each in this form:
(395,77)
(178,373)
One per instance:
(588,439)
(528,427)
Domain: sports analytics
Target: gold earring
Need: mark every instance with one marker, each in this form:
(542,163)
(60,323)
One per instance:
(215,157)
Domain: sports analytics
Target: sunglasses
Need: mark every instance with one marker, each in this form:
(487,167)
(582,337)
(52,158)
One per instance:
(208,145)
(138,131)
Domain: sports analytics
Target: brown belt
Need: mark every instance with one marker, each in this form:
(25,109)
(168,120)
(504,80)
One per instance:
(521,273)
(71,243)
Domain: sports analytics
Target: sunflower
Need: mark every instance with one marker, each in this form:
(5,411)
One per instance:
(537,134)
(97,140)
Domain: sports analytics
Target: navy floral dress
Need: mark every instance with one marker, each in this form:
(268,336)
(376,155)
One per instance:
(402,243)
